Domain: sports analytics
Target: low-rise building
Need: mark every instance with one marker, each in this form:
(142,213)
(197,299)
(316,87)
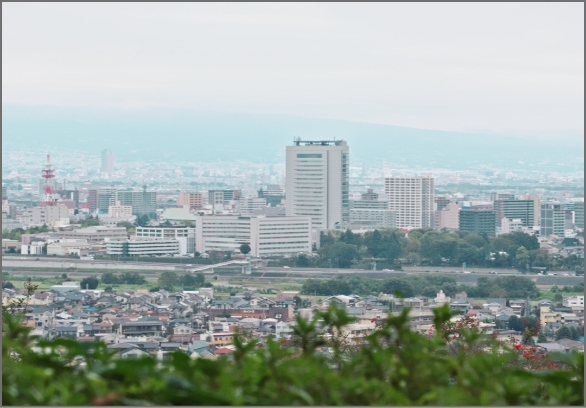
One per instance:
(95,235)
(267,236)
(65,247)
(185,236)
(143,247)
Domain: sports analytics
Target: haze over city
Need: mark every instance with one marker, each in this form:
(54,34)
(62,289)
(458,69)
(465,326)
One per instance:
(293,203)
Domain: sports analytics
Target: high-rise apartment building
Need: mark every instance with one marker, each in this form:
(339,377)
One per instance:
(412,199)
(536,208)
(579,213)
(318,182)
(107,196)
(142,202)
(107,161)
(478,221)
(552,219)
(195,201)
(515,209)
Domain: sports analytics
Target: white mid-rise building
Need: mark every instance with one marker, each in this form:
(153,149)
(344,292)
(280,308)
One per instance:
(247,205)
(120,211)
(514,225)
(575,302)
(449,217)
(46,215)
(317,177)
(185,236)
(412,199)
(143,247)
(267,236)
(373,218)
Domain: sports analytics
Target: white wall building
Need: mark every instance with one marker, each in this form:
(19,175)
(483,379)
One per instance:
(65,247)
(141,248)
(412,199)
(449,217)
(246,205)
(266,235)
(508,225)
(374,218)
(120,211)
(185,236)
(317,182)
(46,215)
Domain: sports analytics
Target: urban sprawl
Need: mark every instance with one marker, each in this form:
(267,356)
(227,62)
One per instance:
(204,253)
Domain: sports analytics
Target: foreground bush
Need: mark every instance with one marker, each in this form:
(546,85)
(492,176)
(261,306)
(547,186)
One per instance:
(392,366)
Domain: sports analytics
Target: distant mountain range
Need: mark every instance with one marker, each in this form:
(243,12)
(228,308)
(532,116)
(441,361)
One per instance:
(210,136)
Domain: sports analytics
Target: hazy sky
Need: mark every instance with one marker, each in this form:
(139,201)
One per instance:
(437,66)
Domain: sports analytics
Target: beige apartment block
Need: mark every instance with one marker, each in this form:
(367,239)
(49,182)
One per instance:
(193,200)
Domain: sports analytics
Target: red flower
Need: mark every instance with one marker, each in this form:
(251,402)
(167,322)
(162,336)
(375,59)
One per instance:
(518,346)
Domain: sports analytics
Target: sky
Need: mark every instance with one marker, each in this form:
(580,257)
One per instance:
(508,67)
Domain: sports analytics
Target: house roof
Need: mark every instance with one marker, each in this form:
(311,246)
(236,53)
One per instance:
(223,350)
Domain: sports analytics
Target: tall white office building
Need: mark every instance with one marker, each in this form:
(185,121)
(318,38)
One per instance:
(317,182)
(412,199)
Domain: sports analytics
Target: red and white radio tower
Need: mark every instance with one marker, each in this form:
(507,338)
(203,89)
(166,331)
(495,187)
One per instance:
(48,173)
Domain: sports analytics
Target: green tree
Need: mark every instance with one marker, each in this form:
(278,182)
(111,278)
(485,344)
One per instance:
(109,278)
(340,253)
(142,220)
(522,258)
(515,324)
(89,283)
(191,280)
(245,249)
(563,333)
(541,338)
(168,280)
(393,285)
(302,261)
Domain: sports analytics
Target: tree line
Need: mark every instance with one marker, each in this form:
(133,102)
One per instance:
(343,249)
(504,287)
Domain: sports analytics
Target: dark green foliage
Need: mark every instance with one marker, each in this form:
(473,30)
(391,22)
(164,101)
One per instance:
(89,283)
(394,366)
(506,286)
(142,220)
(244,249)
(340,254)
(90,221)
(394,285)
(563,333)
(7,285)
(17,232)
(190,280)
(129,278)
(169,280)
